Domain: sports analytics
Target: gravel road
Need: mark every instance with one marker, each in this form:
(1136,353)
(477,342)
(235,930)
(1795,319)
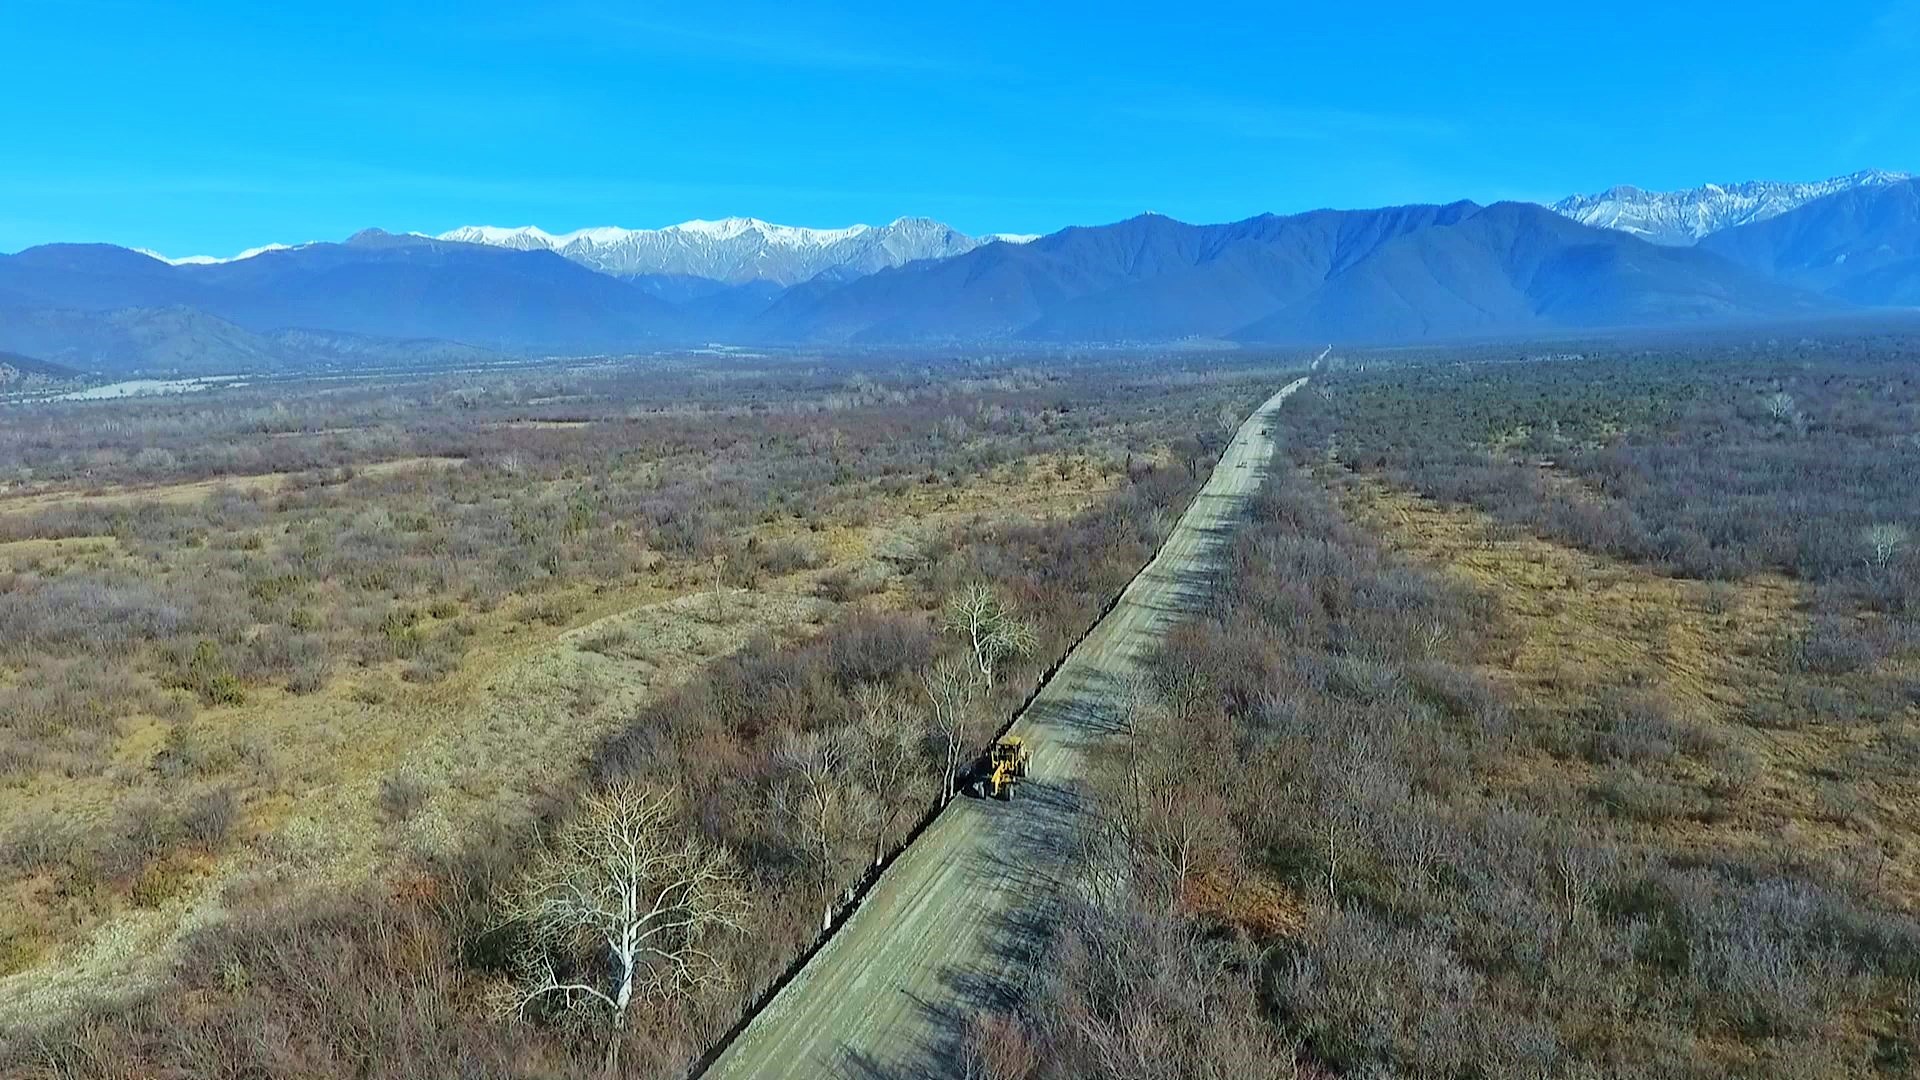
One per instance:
(946,929)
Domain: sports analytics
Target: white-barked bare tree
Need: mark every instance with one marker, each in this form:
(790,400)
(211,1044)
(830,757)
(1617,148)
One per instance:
(624,899)
(889,757)
(814,795)
(949,688)
(993,631)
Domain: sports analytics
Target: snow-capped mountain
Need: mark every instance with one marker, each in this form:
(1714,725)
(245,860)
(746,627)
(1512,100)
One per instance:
(740,249)
(211,260)
(1679,218)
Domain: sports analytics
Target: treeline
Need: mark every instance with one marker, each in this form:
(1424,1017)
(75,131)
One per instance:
(1317,874)
(546,417)
(1712,470)
(1708,468)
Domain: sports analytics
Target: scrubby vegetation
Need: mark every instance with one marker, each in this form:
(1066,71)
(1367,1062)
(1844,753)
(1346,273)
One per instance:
(1582,758)
(413,533)
(1551,718)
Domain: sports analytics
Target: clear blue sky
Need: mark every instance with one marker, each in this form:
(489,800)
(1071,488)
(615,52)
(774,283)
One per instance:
(206,127)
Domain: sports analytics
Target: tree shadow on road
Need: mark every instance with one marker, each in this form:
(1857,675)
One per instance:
(1034,856)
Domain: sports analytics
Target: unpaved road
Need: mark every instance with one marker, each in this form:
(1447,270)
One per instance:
(947,927)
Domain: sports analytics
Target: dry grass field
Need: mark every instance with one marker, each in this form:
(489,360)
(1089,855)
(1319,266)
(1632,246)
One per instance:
(1578,633)
(257,655)
(315,774)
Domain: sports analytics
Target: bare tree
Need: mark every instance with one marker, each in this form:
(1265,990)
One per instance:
(1884,542)
(991,628)
(1179,817)
(996,1046)
(815,797)
(949,689)
(623,899)
(1191,452)
(885,754)
(1781,406)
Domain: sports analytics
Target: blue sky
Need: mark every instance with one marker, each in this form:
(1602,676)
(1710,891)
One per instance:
(206,127)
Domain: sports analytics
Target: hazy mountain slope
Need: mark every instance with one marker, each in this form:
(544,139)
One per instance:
(1683,217)
(1860,245)
(91,277)
(393,286)
(1404,273)
(175,339)
(991,292)
(717,314)
(736,249)
(1515,268)
(15,369)
(302,348)
(1146,278)
(190,342)
(1897,284)
(374,284)
(1240,271)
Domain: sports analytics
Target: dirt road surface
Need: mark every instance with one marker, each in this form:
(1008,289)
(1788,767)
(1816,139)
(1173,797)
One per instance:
(946,930)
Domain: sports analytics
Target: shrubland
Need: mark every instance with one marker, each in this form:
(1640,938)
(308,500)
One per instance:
(182,575)
(1548,720)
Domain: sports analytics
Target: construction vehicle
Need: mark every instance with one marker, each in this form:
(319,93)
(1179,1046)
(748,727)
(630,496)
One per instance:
(1006,761)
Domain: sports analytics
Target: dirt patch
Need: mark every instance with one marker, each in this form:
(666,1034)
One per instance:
(57,555)
(478,747)
(1576,621)
(21,502)
(1252,903)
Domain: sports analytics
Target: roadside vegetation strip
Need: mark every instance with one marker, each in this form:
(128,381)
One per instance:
(933,812)
(1472,738)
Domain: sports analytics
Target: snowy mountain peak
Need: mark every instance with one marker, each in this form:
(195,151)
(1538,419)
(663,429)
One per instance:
(210,260)
(523,238)
(1679,218)
(735,249)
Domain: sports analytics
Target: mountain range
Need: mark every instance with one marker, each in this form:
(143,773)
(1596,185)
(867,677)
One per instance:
(730,251)
(738,250)
(1680,218)
(1405,273)
(1399,274)
(1861,246)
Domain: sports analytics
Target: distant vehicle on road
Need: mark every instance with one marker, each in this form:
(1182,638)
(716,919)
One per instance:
(1006,762)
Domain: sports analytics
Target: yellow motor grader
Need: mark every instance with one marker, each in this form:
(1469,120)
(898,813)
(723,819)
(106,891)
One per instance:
(1005,762)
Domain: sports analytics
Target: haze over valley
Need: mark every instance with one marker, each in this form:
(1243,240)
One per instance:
(1763,253)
